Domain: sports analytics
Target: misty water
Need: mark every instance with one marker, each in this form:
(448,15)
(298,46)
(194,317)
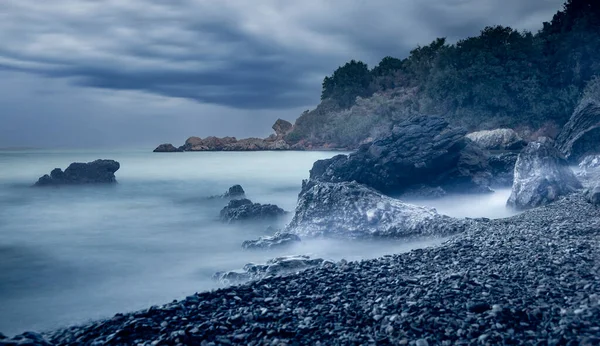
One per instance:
(73,254)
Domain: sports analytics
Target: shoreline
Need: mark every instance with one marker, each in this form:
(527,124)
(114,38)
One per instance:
(496,282)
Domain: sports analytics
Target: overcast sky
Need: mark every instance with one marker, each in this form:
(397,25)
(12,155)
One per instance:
(135,73)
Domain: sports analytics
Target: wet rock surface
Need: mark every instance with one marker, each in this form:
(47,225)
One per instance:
(542,175)
(279,240)
(244,210)
(499,139)
(581,134)
(274,267)
(529,279)
(95,172)
(423,150)
(352,210)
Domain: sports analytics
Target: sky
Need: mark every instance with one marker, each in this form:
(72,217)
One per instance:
(137,73)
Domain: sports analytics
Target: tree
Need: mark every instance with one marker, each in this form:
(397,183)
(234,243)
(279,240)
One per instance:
(346,83)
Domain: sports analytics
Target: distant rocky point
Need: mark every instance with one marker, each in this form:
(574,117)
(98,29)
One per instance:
(99,171)
(275,141)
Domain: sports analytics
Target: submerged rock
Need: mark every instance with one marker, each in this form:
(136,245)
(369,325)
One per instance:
(273,267)
(99,171)
(499,139)
(581,134)
(244,210)
(269,242)
(542,175)
(352,210)
(419,151)
(167,148)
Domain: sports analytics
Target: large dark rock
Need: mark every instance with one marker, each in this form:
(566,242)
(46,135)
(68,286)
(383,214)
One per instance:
(499,139)
(99,171)
(352,210)
(235,192)
(502,167)
(419,151)
(245,210)
(167,148)
(269,242)
(581,134)
(542,175)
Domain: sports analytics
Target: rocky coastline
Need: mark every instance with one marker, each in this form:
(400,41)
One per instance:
(276,142)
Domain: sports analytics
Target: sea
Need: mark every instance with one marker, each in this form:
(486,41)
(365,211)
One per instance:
(75,254)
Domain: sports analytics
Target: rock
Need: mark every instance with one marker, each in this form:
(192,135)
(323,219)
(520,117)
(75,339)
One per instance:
(273,267)
(282,128)
(502,167)
(542,175)
(208,144)
(581,134)
(235,192)
(499,139)
(419,151)
(245,210)
(593,195)
(590,162)
(352,210)
(423,192)
(99,171)
(167,148)
(269,242)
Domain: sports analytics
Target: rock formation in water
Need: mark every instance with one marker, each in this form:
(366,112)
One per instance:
(352,210)
(419,151)
(280,239)
(273,267)
(95,172)
(167,148)
(245,210)
(274,142)
(235,192)
(542,175)
(581,134)
(499,139)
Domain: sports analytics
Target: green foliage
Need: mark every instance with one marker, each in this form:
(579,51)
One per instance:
(347,83)
(502,77)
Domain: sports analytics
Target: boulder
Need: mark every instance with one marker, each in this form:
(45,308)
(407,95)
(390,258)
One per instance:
(273,267)
(352,210)
(99,171)
(502,167)
(245,210)
(167,148)
(542,175)
(282,127)
(581,134)
(499,139)
(276,241)
(419,151)
(593,195)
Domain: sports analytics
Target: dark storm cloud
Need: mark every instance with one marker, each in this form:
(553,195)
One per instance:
(265,54)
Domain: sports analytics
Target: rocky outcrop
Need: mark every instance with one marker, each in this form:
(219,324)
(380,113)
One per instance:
(581,134)
(502,167)
(235,192)
(352,210)
(95,172)
(542,175)
(269,242)
(499,139)
(273,267)
(282,128)
(167,148)
(419,151)
(274,142)
(245,210)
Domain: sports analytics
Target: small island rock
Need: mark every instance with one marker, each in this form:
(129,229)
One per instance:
(99,171)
